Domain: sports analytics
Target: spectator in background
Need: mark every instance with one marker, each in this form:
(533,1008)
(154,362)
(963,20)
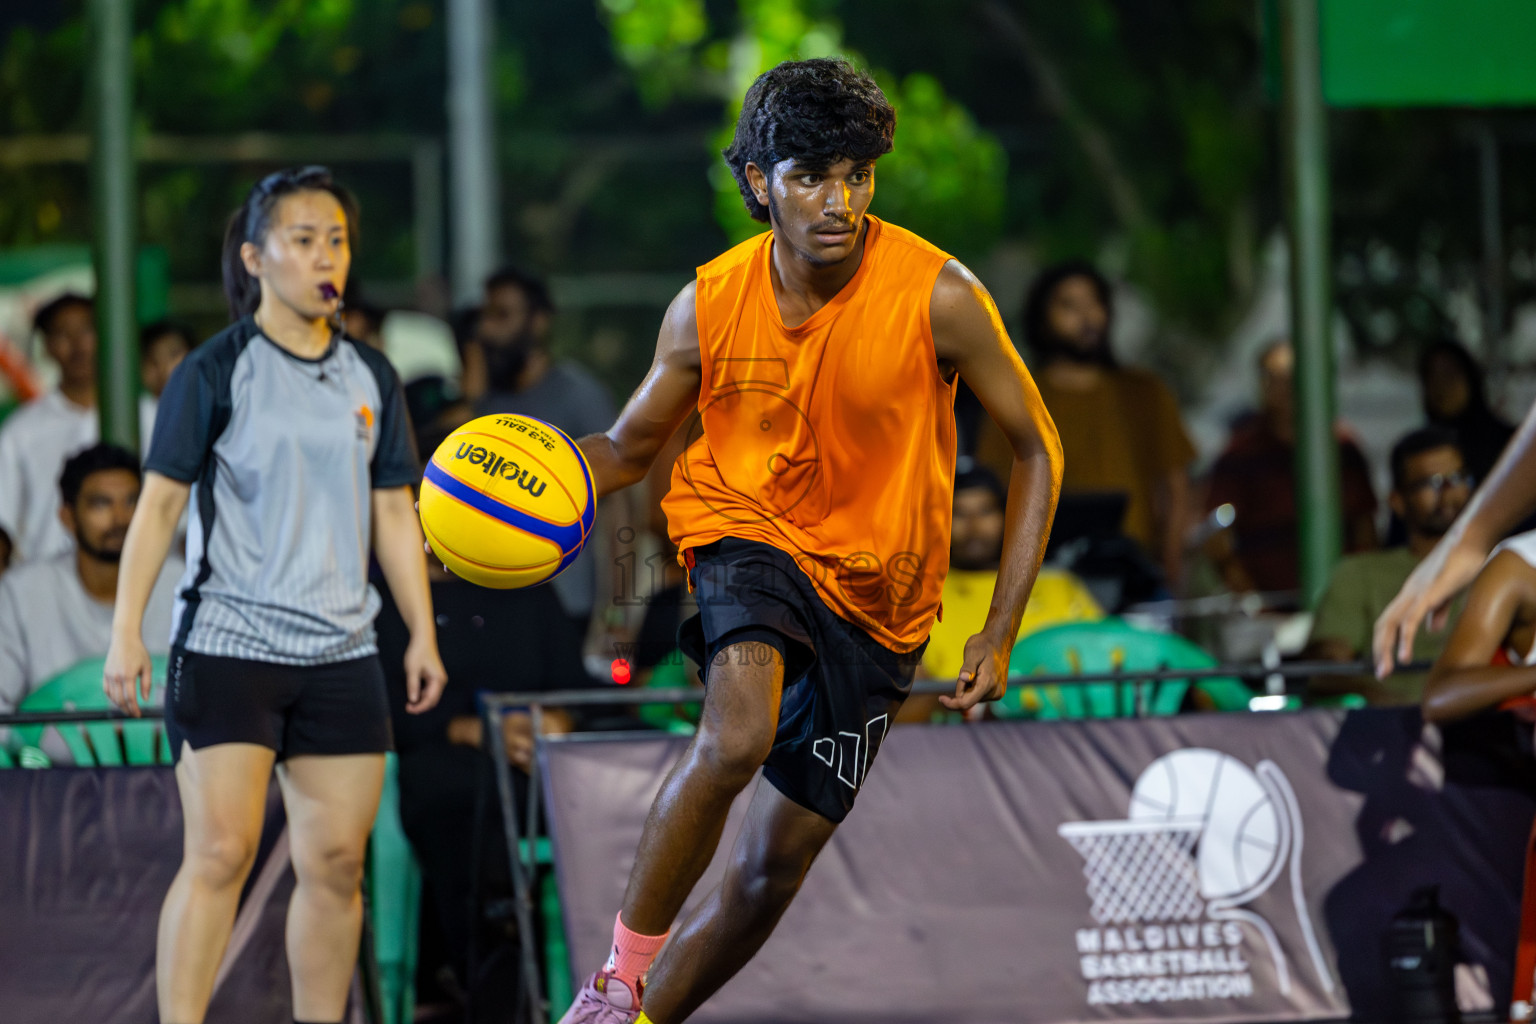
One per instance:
(37,438)
(465,323)
(162,346)
(1120,426)
(1430,487)
(1454,395)
(1256,475)
(444,768)
(362,320)
(57,611)
(523,376)
(975,553)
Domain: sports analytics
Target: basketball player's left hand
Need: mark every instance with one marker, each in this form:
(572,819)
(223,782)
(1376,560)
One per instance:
(983,672)
(425,676)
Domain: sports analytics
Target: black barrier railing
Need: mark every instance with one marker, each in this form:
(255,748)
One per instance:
(1282,680)
(636,696)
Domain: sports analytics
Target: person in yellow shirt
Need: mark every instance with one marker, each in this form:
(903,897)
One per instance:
(975,552)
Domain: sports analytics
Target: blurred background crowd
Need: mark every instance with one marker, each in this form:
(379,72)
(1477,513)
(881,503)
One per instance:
(1110,169)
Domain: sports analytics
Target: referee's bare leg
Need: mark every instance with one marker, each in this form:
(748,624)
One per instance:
(223,801)
(331,803)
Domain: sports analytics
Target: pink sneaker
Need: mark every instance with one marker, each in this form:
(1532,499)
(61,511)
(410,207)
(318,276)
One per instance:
(604,999)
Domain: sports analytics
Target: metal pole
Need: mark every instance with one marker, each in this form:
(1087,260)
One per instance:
(112,202)
(427,207)
(522,883)
(475,208)
(1490,203)
(1308,213)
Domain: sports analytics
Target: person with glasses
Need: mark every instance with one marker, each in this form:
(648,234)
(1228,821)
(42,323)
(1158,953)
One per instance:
(290,444)
(1430,487)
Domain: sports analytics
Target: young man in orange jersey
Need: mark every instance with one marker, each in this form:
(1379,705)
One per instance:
(812,511)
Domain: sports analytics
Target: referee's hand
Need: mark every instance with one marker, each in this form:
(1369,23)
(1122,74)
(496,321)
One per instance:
(983,672)
(127,675)
(425,676)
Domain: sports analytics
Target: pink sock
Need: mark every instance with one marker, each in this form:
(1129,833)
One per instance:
(632,953)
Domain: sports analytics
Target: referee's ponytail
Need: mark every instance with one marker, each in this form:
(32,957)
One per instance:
(253,218)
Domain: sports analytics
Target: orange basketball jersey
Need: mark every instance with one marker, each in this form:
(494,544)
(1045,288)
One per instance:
(833,441)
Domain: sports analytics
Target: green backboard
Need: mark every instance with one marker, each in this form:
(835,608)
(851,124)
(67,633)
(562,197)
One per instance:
(1417,53)
(1401,53)
(152,272)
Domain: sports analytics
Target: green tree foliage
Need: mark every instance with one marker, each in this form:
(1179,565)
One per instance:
(1136,133)
(217,67)
(947,176)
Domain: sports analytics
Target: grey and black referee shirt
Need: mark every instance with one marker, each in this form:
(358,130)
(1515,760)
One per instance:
(282,454)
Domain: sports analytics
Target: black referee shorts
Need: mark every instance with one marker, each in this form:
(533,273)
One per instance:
(842,688)
(338,708)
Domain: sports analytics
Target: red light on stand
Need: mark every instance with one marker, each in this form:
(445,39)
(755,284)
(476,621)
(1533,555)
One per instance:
(620,671)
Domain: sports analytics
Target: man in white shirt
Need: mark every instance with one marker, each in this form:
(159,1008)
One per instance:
(55,612)
(37,438)
(162,346)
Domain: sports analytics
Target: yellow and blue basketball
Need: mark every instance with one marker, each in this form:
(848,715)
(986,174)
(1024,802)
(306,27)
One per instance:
(506,501)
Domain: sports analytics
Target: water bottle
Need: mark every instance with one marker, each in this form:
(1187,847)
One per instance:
(1421,953)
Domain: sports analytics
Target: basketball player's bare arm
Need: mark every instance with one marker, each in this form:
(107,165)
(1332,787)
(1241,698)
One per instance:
(1508,496)
(623,455)
(1462,683)
(968,334)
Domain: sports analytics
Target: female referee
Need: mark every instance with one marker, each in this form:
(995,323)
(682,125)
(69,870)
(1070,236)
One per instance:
(292,444)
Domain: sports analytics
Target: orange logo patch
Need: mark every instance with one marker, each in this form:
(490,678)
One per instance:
(365,416)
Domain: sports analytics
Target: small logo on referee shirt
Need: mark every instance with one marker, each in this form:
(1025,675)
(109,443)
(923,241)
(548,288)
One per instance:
(364,422)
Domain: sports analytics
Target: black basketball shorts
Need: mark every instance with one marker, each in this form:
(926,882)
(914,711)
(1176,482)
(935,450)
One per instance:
(337,708)
(842,688)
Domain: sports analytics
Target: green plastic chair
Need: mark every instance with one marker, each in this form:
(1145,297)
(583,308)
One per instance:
(557,953)
(671,672)
(1110,645)
(394,902)
(78,688)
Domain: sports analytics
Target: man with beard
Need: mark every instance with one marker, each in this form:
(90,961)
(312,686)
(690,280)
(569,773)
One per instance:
(1430,487)
(522,376)
(1120,426)
(975,555)
(55,612)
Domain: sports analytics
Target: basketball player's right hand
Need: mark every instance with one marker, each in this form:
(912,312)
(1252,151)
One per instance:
(1424,600)
(983,672)
(127,675)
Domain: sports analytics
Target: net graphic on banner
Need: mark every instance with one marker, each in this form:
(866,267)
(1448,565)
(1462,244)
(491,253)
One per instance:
(1205,836)
(1138,870)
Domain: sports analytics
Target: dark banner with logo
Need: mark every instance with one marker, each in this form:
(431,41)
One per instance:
(86,857)
(1205,867)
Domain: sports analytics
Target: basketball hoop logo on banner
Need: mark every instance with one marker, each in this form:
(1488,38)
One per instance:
(1169,884)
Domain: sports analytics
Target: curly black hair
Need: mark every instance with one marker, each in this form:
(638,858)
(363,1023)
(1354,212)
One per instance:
(96,459)
(815,112)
